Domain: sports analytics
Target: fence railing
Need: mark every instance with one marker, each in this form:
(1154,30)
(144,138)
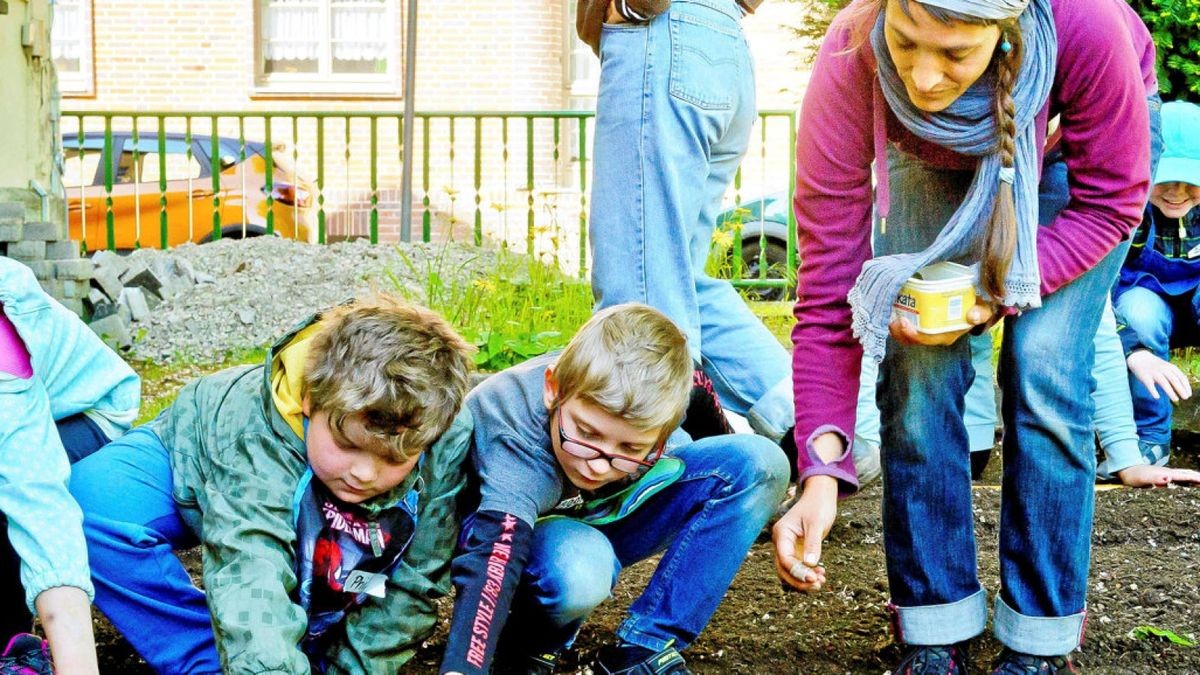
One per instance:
(149,178)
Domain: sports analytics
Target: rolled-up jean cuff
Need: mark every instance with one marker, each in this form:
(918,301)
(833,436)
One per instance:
(775,412)
(941,624)
(1038,635)
(627,632)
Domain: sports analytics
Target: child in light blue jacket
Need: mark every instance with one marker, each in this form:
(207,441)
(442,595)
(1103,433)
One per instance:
(63,394)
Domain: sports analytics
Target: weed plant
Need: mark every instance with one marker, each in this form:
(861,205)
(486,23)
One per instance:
(517,309)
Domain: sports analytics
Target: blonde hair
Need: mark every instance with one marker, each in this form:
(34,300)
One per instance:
(630,361)
(999,239)
(400,368)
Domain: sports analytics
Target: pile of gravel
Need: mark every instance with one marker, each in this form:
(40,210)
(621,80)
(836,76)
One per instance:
(251,291)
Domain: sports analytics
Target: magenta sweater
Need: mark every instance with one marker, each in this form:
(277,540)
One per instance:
(1105,71)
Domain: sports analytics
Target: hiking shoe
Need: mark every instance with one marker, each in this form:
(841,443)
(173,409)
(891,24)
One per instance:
(26,655)
(527,664)
(530,664)
(704,417)
(628,659)
(1016,663)
(935,660)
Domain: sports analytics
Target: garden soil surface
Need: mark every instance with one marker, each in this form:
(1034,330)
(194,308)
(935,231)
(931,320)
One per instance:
(1145,555)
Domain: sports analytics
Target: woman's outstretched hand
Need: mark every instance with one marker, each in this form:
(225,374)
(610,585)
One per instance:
(904,332)
(804,527)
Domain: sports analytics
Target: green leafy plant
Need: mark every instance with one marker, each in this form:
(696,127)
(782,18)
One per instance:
(817,16)
(1174,26)
(1147,632)
(519,308)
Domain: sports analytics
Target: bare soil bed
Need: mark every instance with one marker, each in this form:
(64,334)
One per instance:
(1145,552)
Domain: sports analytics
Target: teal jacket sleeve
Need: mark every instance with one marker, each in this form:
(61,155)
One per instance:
(385,633)
(249,558)
(45,524)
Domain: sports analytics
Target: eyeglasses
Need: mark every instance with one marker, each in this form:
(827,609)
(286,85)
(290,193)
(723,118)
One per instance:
(586,451)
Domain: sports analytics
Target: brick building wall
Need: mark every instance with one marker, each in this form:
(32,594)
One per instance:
(189,55)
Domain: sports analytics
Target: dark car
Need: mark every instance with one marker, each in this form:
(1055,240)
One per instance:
(763,223)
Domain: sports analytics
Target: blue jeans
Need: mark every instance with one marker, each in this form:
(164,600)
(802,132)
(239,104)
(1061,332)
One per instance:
(133,529)
(673,120)
(705,521)
(1159,322)
(1046,508)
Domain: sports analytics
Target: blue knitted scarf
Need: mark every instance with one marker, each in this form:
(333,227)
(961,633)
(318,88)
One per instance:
(967,126)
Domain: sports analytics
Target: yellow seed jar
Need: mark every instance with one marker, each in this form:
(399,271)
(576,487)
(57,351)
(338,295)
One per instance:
(937,297)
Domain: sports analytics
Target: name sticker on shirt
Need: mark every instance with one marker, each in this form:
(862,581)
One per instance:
(365,582)
(1194,252)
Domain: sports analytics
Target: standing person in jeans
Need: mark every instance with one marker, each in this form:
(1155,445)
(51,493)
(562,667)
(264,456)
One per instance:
(673,120)
(968,85)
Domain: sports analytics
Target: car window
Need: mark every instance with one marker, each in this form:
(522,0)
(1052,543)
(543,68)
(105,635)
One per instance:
(178,165)
(79,167)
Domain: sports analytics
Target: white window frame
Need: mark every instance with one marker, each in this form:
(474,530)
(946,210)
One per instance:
(581,91)
(81,82)
(325,82)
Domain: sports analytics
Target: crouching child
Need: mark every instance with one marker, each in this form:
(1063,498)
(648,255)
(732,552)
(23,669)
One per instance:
(578,480)
(322,486)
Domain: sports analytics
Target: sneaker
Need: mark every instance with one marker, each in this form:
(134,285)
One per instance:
(628,659)
(1016,663)
(26,655)
(935,660)
(530,664)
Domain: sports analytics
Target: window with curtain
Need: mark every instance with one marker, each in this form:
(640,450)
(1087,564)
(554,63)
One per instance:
(581,67)
(71,45)
(339,46)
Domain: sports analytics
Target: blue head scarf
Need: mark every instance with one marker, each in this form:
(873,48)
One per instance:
(968,126)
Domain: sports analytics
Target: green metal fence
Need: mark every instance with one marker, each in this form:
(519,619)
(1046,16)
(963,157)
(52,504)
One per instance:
(138,178)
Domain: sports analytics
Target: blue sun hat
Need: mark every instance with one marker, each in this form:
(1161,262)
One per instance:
(1181,144)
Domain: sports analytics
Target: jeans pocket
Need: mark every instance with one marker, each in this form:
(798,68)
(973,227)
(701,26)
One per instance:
(706,61)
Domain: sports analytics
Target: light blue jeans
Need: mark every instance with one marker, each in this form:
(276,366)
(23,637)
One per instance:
(673,120)
(1049,464)
(1157,319)
(705,522)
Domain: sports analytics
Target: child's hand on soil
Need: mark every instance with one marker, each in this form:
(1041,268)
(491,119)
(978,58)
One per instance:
(806,524)
(904,332)
(1155,373)
(1144,475)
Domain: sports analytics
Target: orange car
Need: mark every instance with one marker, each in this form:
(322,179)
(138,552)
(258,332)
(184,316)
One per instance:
(136,204)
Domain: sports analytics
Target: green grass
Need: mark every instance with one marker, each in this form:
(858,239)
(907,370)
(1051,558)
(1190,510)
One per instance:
(162,380)
(516,309)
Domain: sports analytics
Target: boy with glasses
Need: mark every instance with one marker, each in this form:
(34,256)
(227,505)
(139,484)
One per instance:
(580,476)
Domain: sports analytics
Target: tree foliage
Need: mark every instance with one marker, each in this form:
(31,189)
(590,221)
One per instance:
(1175,26)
